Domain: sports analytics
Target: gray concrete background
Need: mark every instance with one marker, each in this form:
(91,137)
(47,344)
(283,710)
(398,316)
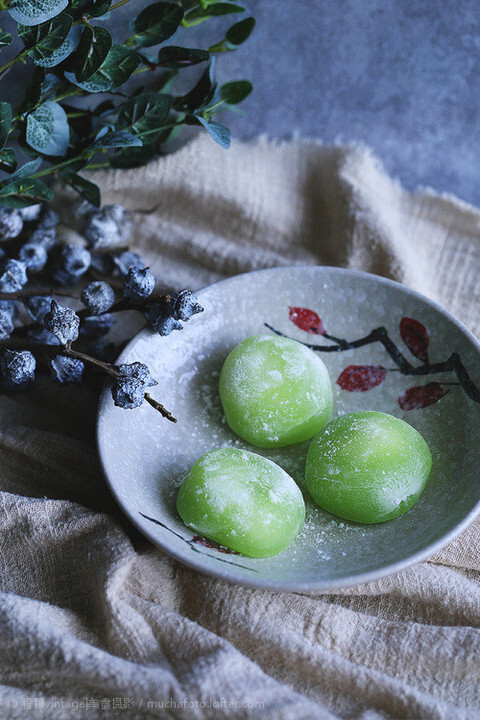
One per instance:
(402,76)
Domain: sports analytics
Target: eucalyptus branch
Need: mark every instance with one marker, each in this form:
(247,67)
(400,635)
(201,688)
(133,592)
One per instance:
(119,4)
(58,166)
(99,67)
(18,58)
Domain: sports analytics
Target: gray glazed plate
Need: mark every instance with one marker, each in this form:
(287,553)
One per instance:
(145,457)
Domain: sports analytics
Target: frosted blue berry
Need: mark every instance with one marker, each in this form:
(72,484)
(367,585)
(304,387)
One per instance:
(139,283)
(160,316)
(186,305)
(48,219)
(108,227)
(18,367)
(33,256)
(101,232)
(72,263)
(128,392)
(30,213)
(6,324)
(38,306)
(11,223)
(10,307)
(98,297)
(138,370)
(127,260)
(81,209)
(47,238)
(62,322)
(117,212)
(66,369)
(96,326)
(12,275)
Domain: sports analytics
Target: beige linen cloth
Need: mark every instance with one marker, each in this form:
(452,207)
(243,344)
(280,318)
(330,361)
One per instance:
(91,613)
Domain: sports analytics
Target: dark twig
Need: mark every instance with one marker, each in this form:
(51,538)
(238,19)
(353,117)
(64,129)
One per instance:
(120,306)
(32,292)
(113,371)
(161,409)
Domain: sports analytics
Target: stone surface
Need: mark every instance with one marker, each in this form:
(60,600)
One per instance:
(403,78)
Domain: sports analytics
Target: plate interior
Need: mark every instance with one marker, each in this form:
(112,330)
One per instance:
(145,457)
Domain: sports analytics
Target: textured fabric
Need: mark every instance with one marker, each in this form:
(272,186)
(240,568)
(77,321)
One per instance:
(91,613)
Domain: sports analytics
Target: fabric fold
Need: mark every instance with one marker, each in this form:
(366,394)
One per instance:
(91,613)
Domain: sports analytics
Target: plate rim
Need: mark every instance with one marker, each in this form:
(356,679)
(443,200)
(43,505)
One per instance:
(294,586)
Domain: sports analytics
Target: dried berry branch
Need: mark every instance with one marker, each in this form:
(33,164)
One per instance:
(70,58)
(115,372)
(121,305)
(33,250)
(33,292)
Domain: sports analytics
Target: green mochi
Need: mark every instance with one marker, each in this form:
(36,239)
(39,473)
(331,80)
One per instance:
(242,501)
(275,391)
(368,467)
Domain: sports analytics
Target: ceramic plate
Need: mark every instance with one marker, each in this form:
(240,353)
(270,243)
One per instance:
(387,348)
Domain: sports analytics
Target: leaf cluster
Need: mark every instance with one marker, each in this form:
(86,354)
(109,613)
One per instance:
(71,54)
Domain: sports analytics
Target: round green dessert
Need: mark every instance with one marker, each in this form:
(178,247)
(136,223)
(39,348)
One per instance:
(275,391)
(367,467)
(242,501)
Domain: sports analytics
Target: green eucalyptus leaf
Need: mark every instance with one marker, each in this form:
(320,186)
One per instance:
(34,12)
(219,133)
(24,192)
(106,107)
(8,160)
(178,57)
(51,82)
(81,124)
(92,8)
(33,92)
(117,139)
(78,164)
(94,84)
(241,31)
(85,188)
(135,156)
(5,39)
(201,94)
(47,129)
(199,14)
(5,122)
(41,40)
(236,91)
(156,23)
(61,53)
(29,168)
(91,52)
(145,112)
(115,70)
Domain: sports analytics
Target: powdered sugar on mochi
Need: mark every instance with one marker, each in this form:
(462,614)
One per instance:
(274,384)
(236,480)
